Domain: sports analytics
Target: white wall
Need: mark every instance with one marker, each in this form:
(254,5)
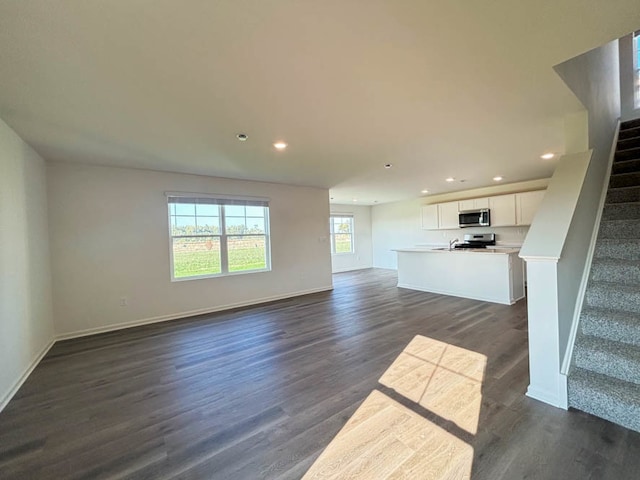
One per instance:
(362,257)
(399,224)
(594,79)
(26,325)
(562,236)
(109,239)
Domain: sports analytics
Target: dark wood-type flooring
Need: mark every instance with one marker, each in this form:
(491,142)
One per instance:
(258,393)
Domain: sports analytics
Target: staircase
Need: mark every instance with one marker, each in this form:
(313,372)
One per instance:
(605,377)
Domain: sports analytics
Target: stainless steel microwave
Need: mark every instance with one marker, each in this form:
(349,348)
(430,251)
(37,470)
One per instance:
(474,218)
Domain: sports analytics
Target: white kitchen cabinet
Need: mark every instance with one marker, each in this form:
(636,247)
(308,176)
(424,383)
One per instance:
(473,203)
(503,210)
(527,204)
(448,215)
(430,217)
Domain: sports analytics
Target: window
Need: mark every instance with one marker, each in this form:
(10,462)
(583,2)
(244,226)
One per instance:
(341,231)
(213,236)
(636,68)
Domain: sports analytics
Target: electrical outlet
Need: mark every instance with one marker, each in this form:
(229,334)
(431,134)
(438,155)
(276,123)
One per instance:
(123,301)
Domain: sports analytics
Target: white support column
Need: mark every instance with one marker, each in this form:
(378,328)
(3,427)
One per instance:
(547,384)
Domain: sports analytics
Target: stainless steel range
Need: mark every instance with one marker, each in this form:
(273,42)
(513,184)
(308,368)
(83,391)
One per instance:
(477,240)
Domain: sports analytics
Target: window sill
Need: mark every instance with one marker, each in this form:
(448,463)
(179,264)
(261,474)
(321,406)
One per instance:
(219,275)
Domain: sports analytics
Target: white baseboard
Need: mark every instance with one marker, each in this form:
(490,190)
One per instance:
(190,313)
(454,294)
(556,399)
(6,398)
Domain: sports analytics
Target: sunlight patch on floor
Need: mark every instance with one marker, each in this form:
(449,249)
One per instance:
(440,377)
(385,440)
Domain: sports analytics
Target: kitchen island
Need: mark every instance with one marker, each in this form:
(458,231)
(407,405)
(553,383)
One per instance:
(493,275)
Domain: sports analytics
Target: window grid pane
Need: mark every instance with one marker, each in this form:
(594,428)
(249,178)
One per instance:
(217,239)
(196,256)
(636,66)
(247,253)
(341,234)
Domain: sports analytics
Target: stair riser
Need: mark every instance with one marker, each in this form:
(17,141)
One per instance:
(631,154)
(613,299)
(629,194)
(604,406)
(629,133)
(618,249)
(635,123)
(603,327)
(628,274)
(620,229)
(616,366)
(624,180)
(628,143)
(621,212)
(629,166)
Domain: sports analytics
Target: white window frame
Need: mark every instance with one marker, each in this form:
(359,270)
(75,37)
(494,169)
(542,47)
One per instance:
(221,201)
(332,233)
(636,70)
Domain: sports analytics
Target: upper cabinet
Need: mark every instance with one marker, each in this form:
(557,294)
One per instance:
(527,204)
(448,215)
(503,210)
(473,204)
(430,217)
(506,210)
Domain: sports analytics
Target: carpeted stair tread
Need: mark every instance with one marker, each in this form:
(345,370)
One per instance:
(605,378)
(619,229)
(623,194)
(627,166)
(608,357)
(621,211)
(629,132)
(618,326)
(626,272)
(613,296)
(628,154)
(627,124)
(609,398)
(624,179)
(628,143)
(618,248)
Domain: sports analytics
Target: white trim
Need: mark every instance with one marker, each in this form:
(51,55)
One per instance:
(566,361)
(220,196)
(16,386)
(190,313)
(539,259)
(557,399)
(453,294)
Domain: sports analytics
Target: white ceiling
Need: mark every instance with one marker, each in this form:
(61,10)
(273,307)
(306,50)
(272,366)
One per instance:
(456,88)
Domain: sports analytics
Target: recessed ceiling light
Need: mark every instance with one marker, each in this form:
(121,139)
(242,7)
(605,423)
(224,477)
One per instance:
(547,156)
(355,199)
(387,165)
(450,179)
(280,145)
(424,191)
(242,137)
(497,179)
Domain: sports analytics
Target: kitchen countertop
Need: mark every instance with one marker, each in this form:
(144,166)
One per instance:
(454,251)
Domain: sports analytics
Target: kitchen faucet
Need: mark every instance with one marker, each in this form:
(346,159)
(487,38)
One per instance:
(451,243)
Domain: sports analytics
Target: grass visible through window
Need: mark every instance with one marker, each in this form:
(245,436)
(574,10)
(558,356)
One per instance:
(195,257)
